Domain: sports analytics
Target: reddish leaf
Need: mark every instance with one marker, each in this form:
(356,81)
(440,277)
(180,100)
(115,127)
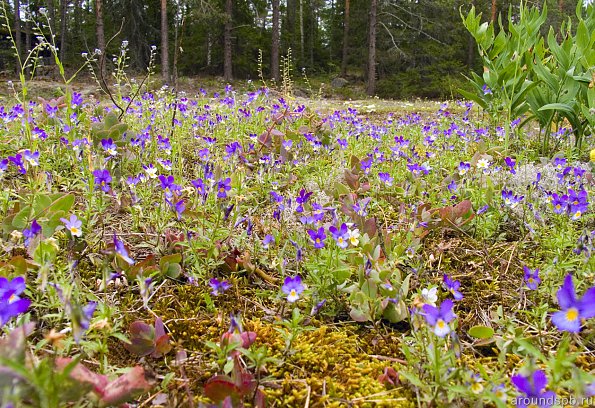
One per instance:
(265,139)
(162,346)
(248,338)
(352,180)
(83,375)
(370,227)
(122,389)
(356,165)
(144,267)
(389,377)
(247,384)
(260,399)
(142,341)
(220,387)
(12,346)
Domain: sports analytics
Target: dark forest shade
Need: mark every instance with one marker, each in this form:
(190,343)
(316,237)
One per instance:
(421,47)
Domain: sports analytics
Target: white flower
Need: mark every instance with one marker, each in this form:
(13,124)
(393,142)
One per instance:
(587,3)
(354,237)
(430,296)
(483,163)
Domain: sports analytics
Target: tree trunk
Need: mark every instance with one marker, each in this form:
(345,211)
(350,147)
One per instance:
(301,32)
(63,28)
(371,88)
(28,40)
(290,30)
(227,57)
(345,40)
(164,43)
(100,37)
(17,34)
(275,43)
(52,23)
(494,11)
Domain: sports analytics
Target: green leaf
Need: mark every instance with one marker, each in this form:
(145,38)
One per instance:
(558,107)
(481,332)
(21,220)
(63,203)
(473,97)
(412,378)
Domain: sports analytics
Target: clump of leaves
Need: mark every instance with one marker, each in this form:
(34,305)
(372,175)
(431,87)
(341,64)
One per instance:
(148,340)
(108,392)
(110,127)
(237,384)
(380,291)
(450,217)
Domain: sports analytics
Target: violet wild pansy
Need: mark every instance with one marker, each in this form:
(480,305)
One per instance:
(573,309)
(11,305)
(533,391)
(292,287)
(439,318)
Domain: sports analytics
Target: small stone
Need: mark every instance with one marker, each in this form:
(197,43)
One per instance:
(339,82)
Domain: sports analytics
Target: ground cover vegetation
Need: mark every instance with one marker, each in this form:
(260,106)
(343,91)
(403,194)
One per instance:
(251,248)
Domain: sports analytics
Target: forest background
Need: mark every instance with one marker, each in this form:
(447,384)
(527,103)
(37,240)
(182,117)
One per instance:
(395,49)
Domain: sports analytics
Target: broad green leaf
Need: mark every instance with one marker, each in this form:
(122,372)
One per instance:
(481,332)
(557,107)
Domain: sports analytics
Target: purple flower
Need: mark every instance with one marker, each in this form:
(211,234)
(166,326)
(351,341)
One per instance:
(366,164)
(122,251)
(30,233)
(73,225)
(483,209)
(318,237)
(559,203)
(180,206)
(573,309)
(533,391)
(200,187)
(453,287)
(81,317)
(510,162)
(439,318)
(361,206)
(486,90)
(17,161)
(317,307)
(340,235)
(31,157)
(218,286)
(77,99)
(559,163)
(531,277)
(168,185)
(109,146)
(267,241)
(464,167)
(102,179)
(3,167)
(150,170)
(302,199)
(386,178)
(11,305)
(298,249)
(292,287)
(223,186)
(511,200)
(577,203)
